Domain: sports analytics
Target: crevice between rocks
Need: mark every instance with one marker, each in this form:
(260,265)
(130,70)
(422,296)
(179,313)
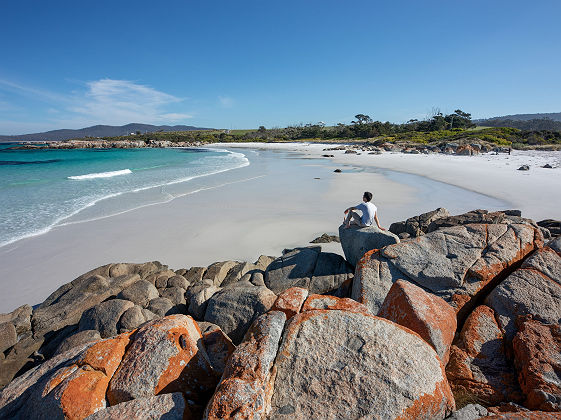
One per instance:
(481,295)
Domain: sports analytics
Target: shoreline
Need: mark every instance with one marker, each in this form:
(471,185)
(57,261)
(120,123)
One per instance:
(276,202)
(500,168)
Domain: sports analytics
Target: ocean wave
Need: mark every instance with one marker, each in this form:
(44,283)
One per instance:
(101,174)
(240,158)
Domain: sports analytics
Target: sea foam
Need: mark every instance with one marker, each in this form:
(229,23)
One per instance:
(101,174)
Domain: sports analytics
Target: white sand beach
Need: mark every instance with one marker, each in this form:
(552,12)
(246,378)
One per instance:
(286,197)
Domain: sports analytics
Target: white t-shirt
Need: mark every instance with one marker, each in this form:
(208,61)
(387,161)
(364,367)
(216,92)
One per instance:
(368,212)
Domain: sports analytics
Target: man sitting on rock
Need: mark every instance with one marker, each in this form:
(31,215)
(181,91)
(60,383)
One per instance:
(369,213)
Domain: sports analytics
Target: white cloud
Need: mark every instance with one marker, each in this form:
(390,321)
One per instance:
(122,101)
(226,101)
(104,101)
(173,116)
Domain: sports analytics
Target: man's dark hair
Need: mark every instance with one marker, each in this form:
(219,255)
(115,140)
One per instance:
(368,196)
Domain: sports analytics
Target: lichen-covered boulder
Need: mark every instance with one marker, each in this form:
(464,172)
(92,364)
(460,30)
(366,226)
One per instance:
(357,241)
(534,289)
(478,366)
(72,385)
(428,315)
(245,386)
(331,363)
(290,301)
(460,264)
(235,307)
(165,356)
(537,353)
(314,302)
(345,377)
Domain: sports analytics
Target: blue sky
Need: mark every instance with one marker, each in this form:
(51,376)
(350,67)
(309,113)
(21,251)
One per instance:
(241,64)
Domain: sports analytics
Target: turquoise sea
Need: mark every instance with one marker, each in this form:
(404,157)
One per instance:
(40,189)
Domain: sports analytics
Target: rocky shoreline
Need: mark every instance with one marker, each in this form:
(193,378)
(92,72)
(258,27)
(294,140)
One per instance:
(459,148)
(441,317)
(105,144)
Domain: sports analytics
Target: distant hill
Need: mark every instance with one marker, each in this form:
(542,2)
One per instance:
(98,131)
(544,121)
(555,116)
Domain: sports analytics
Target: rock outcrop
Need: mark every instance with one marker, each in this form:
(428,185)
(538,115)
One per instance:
(478,365)
(357,241)
(234,308)
(417,225)
(458,263)
(360,371)
(533,289)
(305,350)
(309,268)
(161,370)
(164,357)
(426,314)
(537,353)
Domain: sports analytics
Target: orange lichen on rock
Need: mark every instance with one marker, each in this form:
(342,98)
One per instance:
(164,357)
(537,350)
(426,314)
(430,405)
(79,389)
(290,301)
(246,386)
(478,365)
(83,394)
(315,302)
(188,368)
(106,355)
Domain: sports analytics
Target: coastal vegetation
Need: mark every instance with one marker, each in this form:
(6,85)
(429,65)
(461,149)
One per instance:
(438,128)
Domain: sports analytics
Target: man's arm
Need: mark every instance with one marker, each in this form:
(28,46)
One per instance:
(377,221)
(350,209)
